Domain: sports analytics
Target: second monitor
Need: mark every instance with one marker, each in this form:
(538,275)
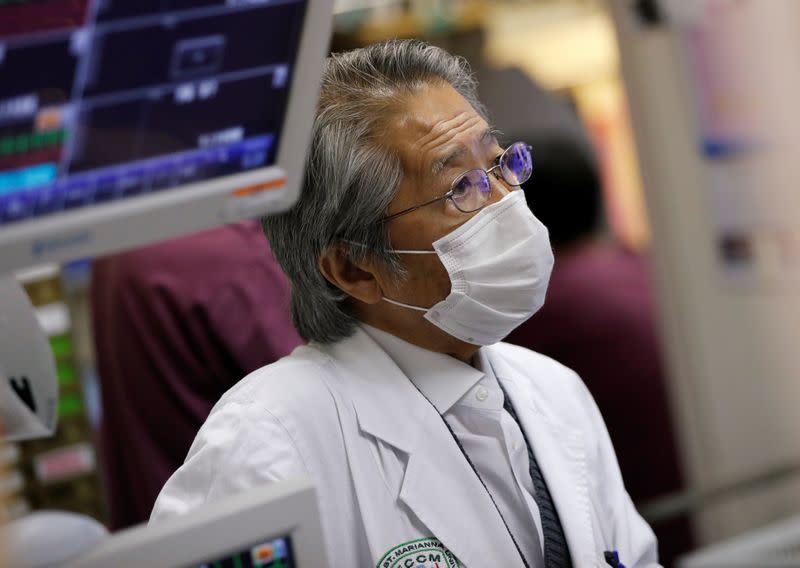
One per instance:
(276,526)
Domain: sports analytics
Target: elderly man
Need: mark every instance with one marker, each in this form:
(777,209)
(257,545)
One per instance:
(411,255)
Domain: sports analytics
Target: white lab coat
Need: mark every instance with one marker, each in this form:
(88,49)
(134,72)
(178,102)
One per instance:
(388,471)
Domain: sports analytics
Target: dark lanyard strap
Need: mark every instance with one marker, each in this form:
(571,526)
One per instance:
(478,475)
(556,549)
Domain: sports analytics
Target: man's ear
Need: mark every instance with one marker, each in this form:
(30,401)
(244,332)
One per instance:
(354,279)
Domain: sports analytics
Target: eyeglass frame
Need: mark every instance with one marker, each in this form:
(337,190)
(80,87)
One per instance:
(449,194)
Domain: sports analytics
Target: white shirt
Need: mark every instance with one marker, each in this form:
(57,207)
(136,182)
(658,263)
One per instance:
(471,401)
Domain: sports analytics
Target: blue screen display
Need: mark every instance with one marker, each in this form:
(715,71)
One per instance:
(108,100)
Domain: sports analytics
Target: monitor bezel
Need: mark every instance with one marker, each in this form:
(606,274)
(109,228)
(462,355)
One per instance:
(287,508)
(127,223)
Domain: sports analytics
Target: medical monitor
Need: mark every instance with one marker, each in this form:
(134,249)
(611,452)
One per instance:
(276,526)
(124,122)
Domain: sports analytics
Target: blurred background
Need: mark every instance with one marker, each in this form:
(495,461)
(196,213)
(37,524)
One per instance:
(664,146)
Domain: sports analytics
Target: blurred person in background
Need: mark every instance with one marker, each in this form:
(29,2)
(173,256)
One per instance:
(599,319)
(176,324)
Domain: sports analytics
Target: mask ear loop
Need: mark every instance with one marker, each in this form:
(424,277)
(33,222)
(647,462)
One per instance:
(395,302)
(402,305)
(393,250)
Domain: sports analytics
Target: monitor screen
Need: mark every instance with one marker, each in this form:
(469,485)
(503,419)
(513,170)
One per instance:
(275,553)
(109,100)
(273,526)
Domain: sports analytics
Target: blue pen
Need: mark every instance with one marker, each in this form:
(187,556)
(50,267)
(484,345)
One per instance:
(612,559)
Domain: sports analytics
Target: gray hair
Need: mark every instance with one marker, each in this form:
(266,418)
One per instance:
(350,177)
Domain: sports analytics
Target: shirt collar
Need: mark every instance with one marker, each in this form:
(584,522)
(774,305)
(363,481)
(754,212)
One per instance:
(493,397)
(441,378)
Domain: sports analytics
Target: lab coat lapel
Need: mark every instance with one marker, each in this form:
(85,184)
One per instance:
(443,491)
(439,485)
(561,455)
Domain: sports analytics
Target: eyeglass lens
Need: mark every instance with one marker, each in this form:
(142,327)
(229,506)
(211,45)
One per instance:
(516,164)
(471,191)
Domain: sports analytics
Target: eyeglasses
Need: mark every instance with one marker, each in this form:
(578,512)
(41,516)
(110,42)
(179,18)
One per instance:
(470,191)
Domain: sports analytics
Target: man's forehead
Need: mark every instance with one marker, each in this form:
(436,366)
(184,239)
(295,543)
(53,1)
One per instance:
(434,111)
(433,121)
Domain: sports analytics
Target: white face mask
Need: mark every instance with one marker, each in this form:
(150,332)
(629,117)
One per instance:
(499,264)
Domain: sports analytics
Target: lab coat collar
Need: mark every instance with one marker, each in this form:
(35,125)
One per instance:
(386,404)
(561,455)
(441,378)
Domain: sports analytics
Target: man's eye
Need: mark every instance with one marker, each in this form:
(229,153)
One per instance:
(461,187)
